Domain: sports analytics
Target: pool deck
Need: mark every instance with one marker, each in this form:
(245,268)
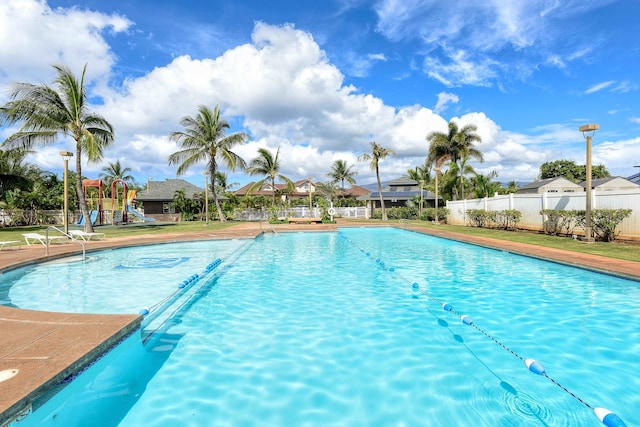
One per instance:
(40,349)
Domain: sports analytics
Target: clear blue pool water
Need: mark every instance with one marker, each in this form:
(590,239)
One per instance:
(326,329)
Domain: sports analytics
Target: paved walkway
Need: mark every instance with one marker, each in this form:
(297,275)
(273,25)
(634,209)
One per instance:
(39,349)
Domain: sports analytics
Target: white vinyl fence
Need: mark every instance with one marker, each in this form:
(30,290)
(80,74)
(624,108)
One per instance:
(530,206)
(299,212)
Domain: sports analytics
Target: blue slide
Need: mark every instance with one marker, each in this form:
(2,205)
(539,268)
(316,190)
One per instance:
(137,214)
(92,214)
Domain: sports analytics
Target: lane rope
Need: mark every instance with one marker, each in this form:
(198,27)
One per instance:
(604,415)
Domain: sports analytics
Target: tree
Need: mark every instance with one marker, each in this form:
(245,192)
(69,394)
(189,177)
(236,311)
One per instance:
(456,144)
(115,171)
(483,186)
(512,187)
(327,189)
(341,172)
(421,174)
(268,166)
(13,173)
(221,184)
(464,169)
(570,170)
(46,112)
(378,152)
(204,139)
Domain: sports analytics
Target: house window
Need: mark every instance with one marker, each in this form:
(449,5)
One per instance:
(569,191)
(166,206)
(552,191)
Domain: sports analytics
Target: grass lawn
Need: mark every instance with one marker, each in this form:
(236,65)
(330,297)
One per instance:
(619,250)
(15,233)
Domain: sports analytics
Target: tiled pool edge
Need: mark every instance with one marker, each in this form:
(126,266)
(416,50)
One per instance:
(100,334)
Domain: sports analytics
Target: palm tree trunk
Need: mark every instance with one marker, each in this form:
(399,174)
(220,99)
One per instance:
(217,202)
(82,201)
(273,192)
(384,211)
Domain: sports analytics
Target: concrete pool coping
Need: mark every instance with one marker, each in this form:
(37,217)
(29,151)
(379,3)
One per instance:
(48,347)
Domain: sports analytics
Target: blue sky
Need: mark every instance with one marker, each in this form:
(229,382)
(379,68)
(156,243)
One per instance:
(320,79)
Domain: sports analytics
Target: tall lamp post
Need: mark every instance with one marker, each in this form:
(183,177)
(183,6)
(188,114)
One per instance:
(588,131)
(206,197)
(66,155)
(437,172)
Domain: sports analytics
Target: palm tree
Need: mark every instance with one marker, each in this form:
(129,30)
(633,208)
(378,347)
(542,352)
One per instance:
(46,112)
(483,185)
(465,169)
(327,189)
(421,174)
(456,144)
(378,152)
(204,139)
(221,184)
(115,171)
(269,167)
(341,172)
(512,186)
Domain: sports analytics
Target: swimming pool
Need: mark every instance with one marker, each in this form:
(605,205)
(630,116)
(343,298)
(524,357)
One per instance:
(328,329)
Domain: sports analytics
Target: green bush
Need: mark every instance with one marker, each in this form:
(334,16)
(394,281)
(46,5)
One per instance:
(506,219)
(560,221)
(429,214)
(604,222)
(478,217)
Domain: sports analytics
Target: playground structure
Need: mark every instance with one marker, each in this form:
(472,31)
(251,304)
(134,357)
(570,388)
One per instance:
(121,207)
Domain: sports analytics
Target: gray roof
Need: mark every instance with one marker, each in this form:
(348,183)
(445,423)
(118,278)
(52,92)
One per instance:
(402,181)
(399,195)
(165,190)
(543,182)
(599,181)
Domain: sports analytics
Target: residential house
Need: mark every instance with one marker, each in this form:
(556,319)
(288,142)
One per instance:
(354,192)
(557,184)
(611,183)
(156,198)
(302,189)
(397,193)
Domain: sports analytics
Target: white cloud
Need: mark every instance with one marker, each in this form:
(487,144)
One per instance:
(533,31)
(33,37)
(634,119)
(284,91)
(598,87)
(461,69)
(619,156)
(444,99)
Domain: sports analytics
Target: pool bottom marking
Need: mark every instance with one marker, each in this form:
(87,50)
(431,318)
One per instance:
(154,262)
(606,417)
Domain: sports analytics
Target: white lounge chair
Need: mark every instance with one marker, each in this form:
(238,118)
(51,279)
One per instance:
(32,238)
(10,244)
(83,235)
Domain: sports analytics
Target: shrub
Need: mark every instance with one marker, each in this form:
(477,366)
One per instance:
(605,221)
(478,217)
(429,214)
(560,221)
(508,218)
